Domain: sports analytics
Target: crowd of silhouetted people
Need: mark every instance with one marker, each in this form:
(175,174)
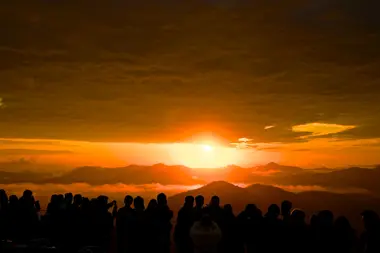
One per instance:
(74,223)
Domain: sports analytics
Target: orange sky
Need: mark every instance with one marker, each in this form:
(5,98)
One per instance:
(314,148)
(100,83)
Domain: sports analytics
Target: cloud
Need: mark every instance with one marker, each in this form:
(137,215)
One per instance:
(302,150)
(245,139)
(320,129)
(305,188)
(244,143)
(2,104)
(227,81)
(268,127)
(32,142)
(22,152)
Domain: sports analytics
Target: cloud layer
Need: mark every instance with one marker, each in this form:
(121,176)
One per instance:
(124,72)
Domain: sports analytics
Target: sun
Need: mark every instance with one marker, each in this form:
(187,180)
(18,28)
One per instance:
(207,148)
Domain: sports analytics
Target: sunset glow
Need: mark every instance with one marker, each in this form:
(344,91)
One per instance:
(224,89)
(207,148)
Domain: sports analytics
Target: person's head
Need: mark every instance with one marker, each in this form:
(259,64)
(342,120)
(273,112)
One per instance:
(199,201)
(3,197)
(139,203)
(128,200)
(273,211)
(68,198)
(342,223)
(13,200)
(102,201)
(152,205)
(250,208)
(286,207)
(189,201)
(326,218)
(215,201)
(27,195)
(78,199)
(161,199)
(298,216)
(228,208)
(314,220)
(370,219)
(54,199)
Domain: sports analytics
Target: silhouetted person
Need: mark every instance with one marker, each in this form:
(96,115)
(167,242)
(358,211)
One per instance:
(344,236)
(215,211)
(123,224)
(3,214)
(103,222)
(287,237)
(68,200)
(185,220)
(250,230)
(198,209)
(286,207)
(297,233)
(28,217)
(325,232)
(164,216)
(138,225)
(205,235)
(86,221)
(273,229)
(371,236)
(13,218)
(152,229)
(229,230)
(313,227)
(61,203)
(74,222)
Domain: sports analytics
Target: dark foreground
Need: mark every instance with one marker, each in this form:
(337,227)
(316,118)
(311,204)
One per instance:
(78,224)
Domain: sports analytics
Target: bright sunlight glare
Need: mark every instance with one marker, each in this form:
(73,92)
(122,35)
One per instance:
(207,148)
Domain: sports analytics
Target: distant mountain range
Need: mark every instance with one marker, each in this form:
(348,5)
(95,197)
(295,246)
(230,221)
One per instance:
(270,174)
(349,205)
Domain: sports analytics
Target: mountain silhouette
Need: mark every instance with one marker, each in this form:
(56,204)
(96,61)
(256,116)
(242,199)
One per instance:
(350,205)
(267,192)
(359,179)
(279,168)
(228,193)
(133,174)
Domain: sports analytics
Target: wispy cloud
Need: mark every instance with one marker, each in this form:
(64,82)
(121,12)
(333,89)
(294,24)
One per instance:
(320,129)
(38,142)
(244,143)
(245,139)
(33,152)
(269,127)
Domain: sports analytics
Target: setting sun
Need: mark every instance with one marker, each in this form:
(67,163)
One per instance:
(207,148)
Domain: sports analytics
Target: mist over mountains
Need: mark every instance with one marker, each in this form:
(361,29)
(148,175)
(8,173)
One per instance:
(360,179)
(348,204)
(345,191)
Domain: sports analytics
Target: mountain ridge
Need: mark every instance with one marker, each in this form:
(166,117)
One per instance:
(270,174)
